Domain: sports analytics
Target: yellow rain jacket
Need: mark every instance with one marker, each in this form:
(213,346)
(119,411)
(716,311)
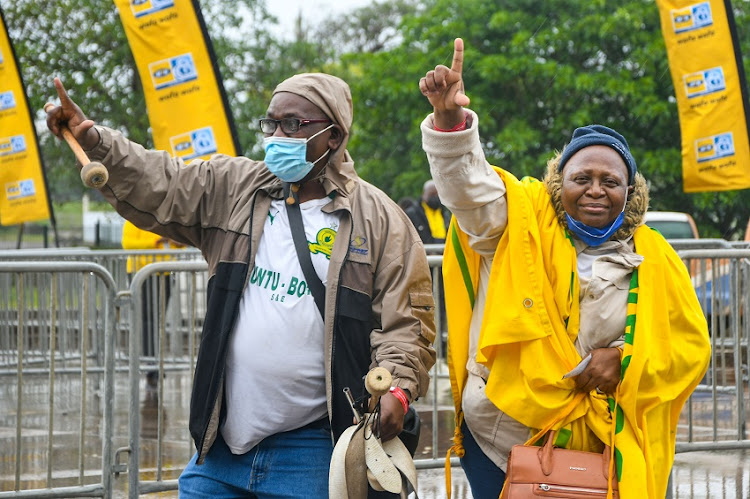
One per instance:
(530,324)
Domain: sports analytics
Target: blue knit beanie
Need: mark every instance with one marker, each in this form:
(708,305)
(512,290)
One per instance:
(599,135)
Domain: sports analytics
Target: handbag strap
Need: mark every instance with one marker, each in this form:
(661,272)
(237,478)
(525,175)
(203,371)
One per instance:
(545,456)
(560,417)
(297,227)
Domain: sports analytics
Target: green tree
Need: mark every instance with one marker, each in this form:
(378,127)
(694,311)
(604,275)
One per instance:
(386,141)
(368,29)
(253,61)
(534,71)
(84,43)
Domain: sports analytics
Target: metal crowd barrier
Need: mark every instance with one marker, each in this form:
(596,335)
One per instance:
(171,448)
(57,379)
(176,347)
(715,416)
(40,339)
(115,261)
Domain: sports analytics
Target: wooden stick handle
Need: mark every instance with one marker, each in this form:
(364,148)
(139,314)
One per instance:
(80,154)
(377,383)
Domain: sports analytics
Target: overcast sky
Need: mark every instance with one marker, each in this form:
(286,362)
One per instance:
(313,11)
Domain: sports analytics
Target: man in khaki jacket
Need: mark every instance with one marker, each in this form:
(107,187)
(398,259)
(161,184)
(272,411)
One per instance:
(268,399)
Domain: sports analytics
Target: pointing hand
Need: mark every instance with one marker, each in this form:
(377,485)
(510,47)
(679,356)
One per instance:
(444,88)
(68,113)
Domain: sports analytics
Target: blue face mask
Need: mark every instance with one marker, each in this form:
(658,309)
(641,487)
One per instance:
(286,157)
(594,236)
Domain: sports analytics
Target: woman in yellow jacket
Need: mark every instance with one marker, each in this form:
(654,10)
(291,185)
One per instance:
(541,275)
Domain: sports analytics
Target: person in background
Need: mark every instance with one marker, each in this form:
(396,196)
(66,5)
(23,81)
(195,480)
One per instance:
(134,238)
(429,216)
(545,274)
(268,403)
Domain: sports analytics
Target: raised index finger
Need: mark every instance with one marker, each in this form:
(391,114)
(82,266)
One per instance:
(458,55)
(62,93)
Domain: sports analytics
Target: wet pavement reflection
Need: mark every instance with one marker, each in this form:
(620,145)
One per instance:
(714,475)
(74,455)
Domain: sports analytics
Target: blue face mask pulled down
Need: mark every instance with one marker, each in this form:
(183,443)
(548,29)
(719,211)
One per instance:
(286,157)
(594,236)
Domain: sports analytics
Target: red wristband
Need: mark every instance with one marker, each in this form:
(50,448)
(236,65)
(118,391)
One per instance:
(458,128)
(401,396)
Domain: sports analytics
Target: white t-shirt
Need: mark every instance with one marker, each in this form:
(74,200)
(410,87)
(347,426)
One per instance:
(275,372)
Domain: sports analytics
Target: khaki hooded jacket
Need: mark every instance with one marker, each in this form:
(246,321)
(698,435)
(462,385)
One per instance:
(379,308)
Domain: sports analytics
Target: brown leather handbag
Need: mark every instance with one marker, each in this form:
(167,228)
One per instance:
(537,472)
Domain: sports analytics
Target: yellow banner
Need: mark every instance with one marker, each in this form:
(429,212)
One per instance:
(184,96)
(23,197)
(710,89)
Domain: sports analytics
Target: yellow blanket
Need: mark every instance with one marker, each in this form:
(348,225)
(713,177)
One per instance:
(531,321)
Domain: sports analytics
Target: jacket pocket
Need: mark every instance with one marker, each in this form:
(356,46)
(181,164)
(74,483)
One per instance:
(423,308)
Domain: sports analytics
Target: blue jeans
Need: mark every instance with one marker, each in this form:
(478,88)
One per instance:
(485,478)
(288,465)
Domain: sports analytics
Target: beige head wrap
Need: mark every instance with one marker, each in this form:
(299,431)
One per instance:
(331,95)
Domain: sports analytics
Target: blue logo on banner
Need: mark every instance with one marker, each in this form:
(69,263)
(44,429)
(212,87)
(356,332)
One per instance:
(194,144)
(715,147)
(142,8)
(704,82)
(173,71)
(7,100)
(12,145)
(693,17)
(19,189)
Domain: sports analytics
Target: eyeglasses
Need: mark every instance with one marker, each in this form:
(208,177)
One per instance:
(288,125)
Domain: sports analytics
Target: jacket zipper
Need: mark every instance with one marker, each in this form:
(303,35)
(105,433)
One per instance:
(574,491)
(335,315)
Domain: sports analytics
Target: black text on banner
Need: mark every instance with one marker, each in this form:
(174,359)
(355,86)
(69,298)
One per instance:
(186,104)
(23,189)
(711,93)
